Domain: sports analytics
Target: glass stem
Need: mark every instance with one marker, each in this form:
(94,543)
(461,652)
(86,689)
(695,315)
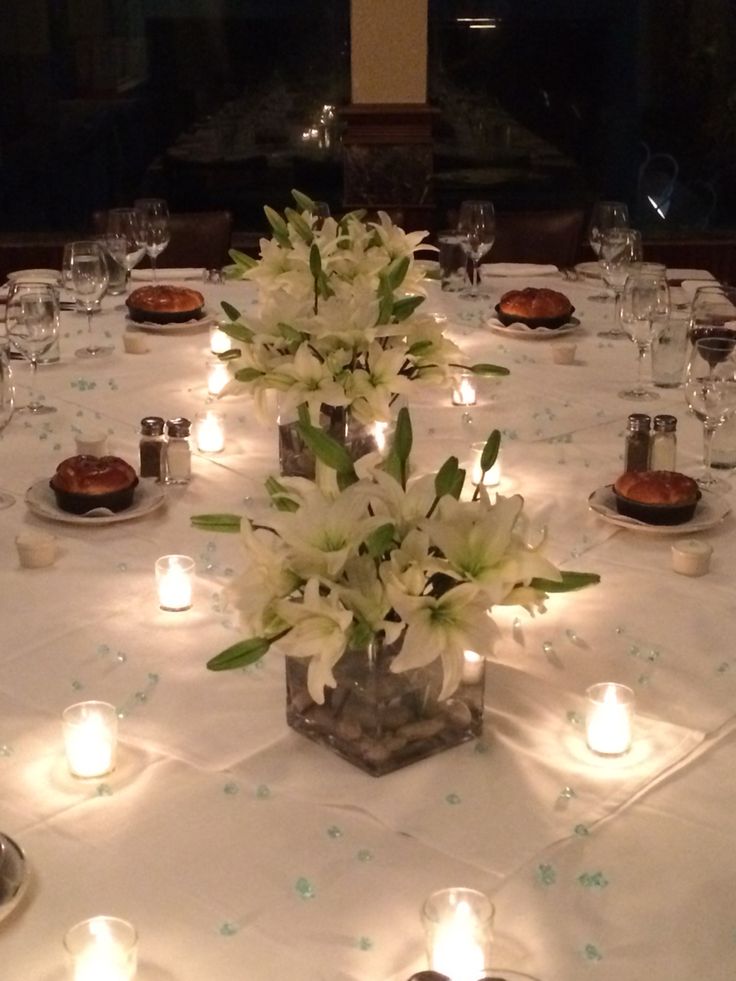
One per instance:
(617,295)
(32,394)
(641,350)
(708,430)
(153,267)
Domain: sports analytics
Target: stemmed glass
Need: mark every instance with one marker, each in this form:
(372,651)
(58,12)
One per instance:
(129,224)
(604,216)
(645,304)
(620,248)
(32,321)
(476,226)
(710,392)
(88,280)
(155,213)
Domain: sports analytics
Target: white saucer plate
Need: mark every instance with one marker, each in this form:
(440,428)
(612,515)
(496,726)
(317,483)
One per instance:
(532,333)
(147,497)
(711,509)
(185,327)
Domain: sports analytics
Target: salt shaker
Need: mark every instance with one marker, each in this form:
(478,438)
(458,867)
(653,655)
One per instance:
(664,443)
(178,455)
(151,446)
(636,451)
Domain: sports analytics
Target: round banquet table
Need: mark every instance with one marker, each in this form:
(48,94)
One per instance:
(243,852)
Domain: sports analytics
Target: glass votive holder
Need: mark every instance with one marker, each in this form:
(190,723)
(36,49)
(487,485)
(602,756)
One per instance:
(175,581)
(609,718)
(464,391)
(492,477)
(458,926)
(473,668)
(218,375)
(219,341)
(103,948)
(90,738)
(209,431)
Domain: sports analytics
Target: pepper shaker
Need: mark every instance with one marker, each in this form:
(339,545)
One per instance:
(151,446)
(637,447)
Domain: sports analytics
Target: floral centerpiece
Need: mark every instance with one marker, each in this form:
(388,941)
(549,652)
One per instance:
(338,331)
(376,592)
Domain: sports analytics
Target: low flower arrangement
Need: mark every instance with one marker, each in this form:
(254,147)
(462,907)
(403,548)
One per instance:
(339,322)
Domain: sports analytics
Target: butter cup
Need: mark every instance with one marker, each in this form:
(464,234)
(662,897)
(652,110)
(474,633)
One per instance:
(135,343)
(36,549)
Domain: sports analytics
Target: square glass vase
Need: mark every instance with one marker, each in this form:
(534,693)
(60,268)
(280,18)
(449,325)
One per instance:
(381,720)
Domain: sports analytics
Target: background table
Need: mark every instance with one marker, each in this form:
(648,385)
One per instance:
(242,851)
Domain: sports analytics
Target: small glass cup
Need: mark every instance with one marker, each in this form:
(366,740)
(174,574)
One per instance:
(669,352)
(464,391)
(102,947)
(218,375)
(453,261)
(90,738)
(458,926)
(209,431)
(609,718)
(175,580)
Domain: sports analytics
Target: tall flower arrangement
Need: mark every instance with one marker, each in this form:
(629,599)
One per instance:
(338,321)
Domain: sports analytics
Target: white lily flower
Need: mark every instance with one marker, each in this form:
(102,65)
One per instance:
(308,379)
(266,580)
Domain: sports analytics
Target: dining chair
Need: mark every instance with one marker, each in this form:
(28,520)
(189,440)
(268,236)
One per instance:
(198,238)
(538,236)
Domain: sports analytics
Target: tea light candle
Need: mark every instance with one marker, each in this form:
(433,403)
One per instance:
(103,948)
(219,341)
(217,376)
(379,435)
(209,431)
(463,390)
(691,557)
(174,577)
(608,722)
(473,668)
(492,477)
(90,738)
(135,343)
(458,925)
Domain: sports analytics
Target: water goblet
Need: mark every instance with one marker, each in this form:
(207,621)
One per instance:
(130,225)
(89,279)
(710,392)
(32,324)
(645,304)
(476,226)
(155,213)
(604,216)
(620,248)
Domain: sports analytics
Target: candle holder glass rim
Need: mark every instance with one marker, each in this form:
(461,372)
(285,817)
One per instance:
(166,561)
(597,692)
(71,713)
(126,933)
(484,904)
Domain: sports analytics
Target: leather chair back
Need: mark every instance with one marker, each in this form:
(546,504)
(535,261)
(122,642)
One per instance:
(539,236)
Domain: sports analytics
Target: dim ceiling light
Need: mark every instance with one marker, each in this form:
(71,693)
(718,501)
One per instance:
(482,27)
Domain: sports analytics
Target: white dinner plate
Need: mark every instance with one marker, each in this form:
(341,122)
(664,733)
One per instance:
(712,508)
(532,333)
(185,327)
(588,270)
(147,497)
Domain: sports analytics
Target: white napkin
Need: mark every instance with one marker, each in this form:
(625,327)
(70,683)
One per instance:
(517,269)
(689,286)
(163,275)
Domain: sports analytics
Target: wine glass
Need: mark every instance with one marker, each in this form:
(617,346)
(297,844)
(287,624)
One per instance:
(604,216)
(713,312)
(645,304)
(620,248)
(129,224)
(476,225)
(89,279)
(155,213)
(32,323)
(710,392)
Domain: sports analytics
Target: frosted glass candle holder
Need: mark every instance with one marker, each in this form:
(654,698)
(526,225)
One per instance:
(458,927)
(218,375)
(464,391)
(209,431)
(219,341)
(175,582)
(492,477)
(103,948)
(609,718)
(90,738)
(473,668)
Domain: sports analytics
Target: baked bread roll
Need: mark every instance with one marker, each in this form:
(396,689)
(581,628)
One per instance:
(657,497)
(82,483)
(535,307)
(164,304)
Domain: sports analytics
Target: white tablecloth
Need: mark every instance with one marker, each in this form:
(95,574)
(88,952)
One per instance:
(243,852)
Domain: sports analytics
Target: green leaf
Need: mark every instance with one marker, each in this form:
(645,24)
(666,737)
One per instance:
(242,259)
(216,522)
(405,307)
(488,369)
(248,374)
(279,226)
(360,633)
(570,581)
(403,436)
(238,332)
(232,354)
(446,476)
(230,310)
(302,201)
(280,496)
(326,449)
(419,348)
(291,333)
(397,271)
(240,655)
(457,487)
(392,466)
(359,214)
(380,540)
(315,262)
(385,299)
(296,221)
(323,286)
(490,451)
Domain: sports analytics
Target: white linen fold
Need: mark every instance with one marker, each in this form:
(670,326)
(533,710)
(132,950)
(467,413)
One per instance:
(517,269)
(162,275)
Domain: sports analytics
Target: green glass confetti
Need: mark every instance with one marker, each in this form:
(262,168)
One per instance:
(304,888)
(263,791)
(104,790)
(591,953)
(581,830)
(228,929)
(365,855)
(364,943)
(593,880)
(453,799)
(334,832)
(546,875)
(231,788)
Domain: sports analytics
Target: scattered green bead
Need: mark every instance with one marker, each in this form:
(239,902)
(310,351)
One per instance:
(263,791)
(453,799)
(593,880)
(365,855)
(228,929)
(581,830)
(305,888)
(364,943)
(104,790)
(231,788)
(575,718)
(591,953)
(77,685)
(546,875)
(334,832)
